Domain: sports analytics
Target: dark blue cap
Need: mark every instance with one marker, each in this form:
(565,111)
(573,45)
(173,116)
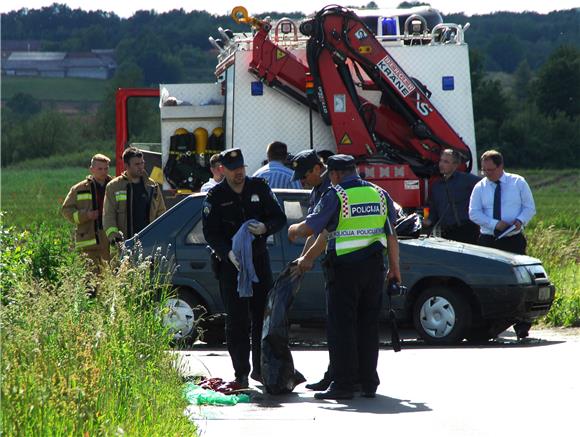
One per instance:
(340,162)
(232,159)
(302,162)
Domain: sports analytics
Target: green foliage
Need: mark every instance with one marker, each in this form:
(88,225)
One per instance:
(42,135)
(535,124)
(558,85)
(24,104)
(73,365)
(554,237)
(532,139)
(522,78)
(508,38)
(48,88)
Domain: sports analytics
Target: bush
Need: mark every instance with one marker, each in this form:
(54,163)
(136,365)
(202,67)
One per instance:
(73,365)
(558,250)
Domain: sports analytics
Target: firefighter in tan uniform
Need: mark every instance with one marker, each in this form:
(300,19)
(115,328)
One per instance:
(132,200)
(83,207)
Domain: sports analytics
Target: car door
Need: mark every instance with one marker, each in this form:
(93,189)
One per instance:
(310,302)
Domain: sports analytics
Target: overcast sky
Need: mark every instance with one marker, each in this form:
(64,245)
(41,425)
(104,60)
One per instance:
(222,7)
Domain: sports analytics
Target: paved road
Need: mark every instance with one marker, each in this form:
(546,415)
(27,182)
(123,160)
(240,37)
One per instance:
(503,388)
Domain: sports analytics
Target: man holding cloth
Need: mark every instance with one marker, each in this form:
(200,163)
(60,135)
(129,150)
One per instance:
(226,208)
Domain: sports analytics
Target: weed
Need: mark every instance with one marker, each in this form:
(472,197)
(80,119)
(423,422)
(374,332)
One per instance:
(73,365)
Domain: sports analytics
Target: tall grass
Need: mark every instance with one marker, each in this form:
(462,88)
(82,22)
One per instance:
(76,365)
(554,237)
(559,250)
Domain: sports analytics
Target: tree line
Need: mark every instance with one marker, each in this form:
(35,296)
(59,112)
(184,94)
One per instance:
(534,122)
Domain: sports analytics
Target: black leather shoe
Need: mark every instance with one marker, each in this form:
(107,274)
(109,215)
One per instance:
(242,381)
(334,393)
(368,394)
(321,385)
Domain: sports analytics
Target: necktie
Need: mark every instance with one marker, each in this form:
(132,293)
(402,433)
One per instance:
(497,202)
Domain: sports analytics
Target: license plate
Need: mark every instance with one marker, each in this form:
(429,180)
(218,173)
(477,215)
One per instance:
(544,293)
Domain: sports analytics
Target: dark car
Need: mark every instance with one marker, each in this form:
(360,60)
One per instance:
(456,290)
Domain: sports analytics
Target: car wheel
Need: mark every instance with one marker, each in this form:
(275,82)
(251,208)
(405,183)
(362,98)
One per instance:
(441,316)
(183,315)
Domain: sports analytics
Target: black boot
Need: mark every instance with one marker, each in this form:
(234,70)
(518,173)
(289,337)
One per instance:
(321,385)
(334,393)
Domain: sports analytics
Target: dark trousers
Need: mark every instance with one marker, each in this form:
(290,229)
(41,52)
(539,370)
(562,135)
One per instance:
(515,244)
(245,315)
(355,294)
(465,233)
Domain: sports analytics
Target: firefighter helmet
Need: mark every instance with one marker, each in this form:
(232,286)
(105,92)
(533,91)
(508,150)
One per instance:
(181,131)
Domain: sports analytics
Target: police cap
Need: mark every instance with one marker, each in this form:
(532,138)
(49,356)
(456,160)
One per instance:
(340,163)
(232,159)
(302,162)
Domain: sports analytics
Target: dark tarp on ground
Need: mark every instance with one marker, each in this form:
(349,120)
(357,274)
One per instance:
(278,372)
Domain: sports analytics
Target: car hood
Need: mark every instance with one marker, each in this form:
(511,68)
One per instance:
(454,247)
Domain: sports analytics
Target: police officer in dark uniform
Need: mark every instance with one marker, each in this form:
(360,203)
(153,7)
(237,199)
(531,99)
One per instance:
(355,213)
(311,172)
(227,206)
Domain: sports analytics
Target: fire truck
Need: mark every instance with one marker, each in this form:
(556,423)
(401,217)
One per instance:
(390,87)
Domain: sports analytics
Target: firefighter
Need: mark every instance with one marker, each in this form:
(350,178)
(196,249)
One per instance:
(355,213)
(83,207)
(226,208)
(132,200)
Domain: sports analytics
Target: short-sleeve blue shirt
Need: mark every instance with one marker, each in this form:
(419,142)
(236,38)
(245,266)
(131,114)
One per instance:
(325,215)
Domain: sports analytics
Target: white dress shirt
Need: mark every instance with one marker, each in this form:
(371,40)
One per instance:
(517,202)
(208,185)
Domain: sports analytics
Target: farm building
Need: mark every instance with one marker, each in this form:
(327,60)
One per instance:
(96,64)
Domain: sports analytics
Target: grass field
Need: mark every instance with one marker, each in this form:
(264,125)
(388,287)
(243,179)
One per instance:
(48,88)
(30,197)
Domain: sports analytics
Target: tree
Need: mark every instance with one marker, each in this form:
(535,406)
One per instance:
(408,5)
(506,50)
(558,84)
(522,77)
(128,75)
(476,62)
(489,101)
(23,104)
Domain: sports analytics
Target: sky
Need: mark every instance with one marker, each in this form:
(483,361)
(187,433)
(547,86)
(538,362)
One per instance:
(222,7)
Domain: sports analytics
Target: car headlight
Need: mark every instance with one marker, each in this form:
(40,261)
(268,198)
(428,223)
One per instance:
(523,275)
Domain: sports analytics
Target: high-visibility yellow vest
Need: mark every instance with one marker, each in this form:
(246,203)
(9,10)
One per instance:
(362,218)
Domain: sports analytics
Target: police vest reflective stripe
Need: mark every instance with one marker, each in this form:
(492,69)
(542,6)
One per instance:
(86,243)
(363,214)
(121,196)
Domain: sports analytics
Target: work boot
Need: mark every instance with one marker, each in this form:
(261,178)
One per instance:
(321,385)
(334,393)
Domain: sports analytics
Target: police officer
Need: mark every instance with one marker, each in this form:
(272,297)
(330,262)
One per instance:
(311,171)
(355,213)
(227,206)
